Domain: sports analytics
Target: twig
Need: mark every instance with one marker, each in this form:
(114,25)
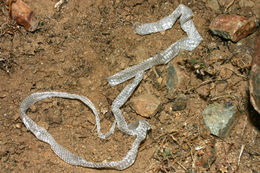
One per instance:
(229,5)
(60,3)
(236,73)
(244,127)
(240,154)
(201,84)
(193,167)
(221,97)
(205,83)
(182,166)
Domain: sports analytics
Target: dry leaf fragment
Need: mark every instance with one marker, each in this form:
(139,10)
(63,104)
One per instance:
(23,15)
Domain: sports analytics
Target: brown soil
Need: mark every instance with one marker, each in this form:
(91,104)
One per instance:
(85,42)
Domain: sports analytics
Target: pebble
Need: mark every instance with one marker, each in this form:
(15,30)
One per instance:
(212,46)
(84,82)
(33,109)
(16,116)
(164,117)
(179,103)
(233,27)
(172,79)
(146,105)
(213,4)
(203,91)
(18,125)
(219,118)
(226,71)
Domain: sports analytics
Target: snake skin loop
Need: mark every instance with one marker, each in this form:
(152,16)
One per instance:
(138,128)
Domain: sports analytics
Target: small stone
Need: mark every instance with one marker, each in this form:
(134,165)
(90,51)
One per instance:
(219,118)
(55,118)
(213,4)
(179,103)
(212,46)
(164,117)
(84,82)
(176,78)
(16,116)
(203,91)
(172,78)
(162,32)
(18,125)
(226,71)
(233,27)
(146,105)
(33,109)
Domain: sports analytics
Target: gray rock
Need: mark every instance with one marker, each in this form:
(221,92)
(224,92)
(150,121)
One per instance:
(180,103)
(172,78)
(219,118)
(176,79)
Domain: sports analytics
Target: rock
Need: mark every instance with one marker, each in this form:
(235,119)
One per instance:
(179,103)
(164,117)
(254,82)
(213,4)
(33,109)
(23,15)
(219,118)
(175,78)
(212,46)
(146,105)
(203,91)
(172,78)
(226,71)
(233,27)
(18,125)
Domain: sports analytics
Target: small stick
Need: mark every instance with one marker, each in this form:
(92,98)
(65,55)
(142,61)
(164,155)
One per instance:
(236,73)
(229,5)
(181,166)
(59,4)
(221,97)
(240,154)
(244,127)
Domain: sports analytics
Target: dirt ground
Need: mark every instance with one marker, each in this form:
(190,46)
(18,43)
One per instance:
(77,48)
